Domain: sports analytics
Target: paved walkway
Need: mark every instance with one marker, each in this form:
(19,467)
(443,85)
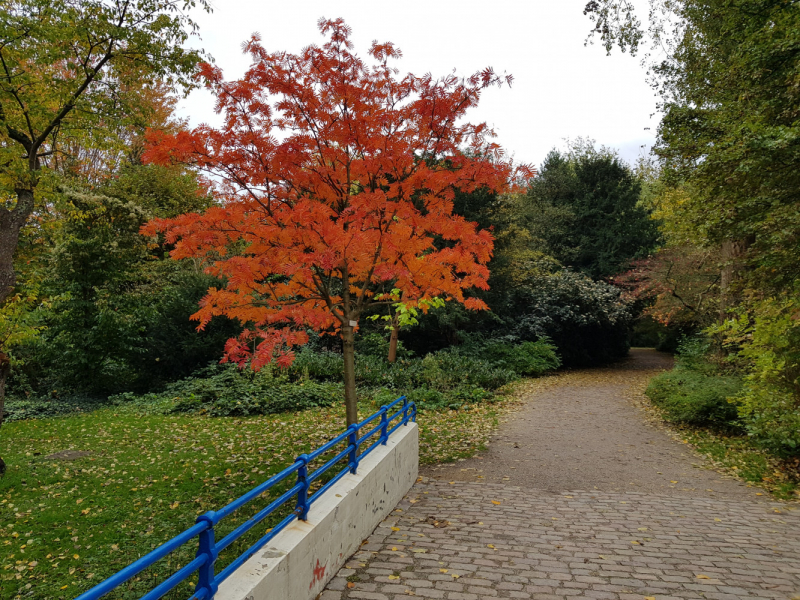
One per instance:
(578,496)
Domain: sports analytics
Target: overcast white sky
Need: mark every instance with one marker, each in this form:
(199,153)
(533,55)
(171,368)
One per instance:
(562,89)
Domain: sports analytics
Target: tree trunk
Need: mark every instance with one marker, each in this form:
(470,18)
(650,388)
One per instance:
(733,253)
(349,353)
(11,221)
(5,369)
(393,340)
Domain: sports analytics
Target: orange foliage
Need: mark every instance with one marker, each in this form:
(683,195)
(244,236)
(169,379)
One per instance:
(333,179)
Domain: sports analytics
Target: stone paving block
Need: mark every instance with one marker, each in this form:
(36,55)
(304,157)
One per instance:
(535,544)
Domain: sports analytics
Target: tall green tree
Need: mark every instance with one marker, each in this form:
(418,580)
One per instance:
(729,84)
(72,71)
(585,209)
(69,69)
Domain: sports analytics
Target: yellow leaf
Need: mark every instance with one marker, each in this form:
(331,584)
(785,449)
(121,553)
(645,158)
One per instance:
(703,577)
(63,587)
(496,502)
(395,529)
(454,576)
(442,570)
(85,511)
(79,501)
(718,520)
(393,577)
(490,545)
(75,556)
(394,548)
(351,585)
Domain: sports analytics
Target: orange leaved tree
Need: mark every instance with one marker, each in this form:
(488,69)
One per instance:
(335,180)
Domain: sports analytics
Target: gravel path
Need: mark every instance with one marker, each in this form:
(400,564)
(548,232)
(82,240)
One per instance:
(580,495)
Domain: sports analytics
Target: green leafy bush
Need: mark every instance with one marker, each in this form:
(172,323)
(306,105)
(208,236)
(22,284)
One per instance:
(695,398)
(431,399)
(767,336)
(531,359)
(226,391)
(587,321)
(19,409)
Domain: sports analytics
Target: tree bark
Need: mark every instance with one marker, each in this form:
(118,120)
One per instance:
(733,264)
(5,369)
(393,340)
(349,353)
(11,221)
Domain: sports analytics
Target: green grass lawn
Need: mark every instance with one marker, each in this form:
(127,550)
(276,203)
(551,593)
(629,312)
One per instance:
(65,525)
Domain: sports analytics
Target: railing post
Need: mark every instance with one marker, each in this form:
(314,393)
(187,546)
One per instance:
(205,574)
(405,411)
(302,494)
(352,439)
(384,425)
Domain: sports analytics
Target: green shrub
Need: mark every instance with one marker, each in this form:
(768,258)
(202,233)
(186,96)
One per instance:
(531,359)
(227,391)
(19,409)
(695,398)
(767,336)
(431,399)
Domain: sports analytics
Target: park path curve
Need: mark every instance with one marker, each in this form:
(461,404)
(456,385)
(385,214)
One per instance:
(580,495)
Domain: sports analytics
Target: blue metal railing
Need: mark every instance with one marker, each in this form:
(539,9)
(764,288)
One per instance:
(209,549)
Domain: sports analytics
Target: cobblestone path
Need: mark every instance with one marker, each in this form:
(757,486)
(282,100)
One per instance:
(473,537)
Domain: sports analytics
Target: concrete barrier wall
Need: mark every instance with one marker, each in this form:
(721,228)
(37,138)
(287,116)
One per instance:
(300,560)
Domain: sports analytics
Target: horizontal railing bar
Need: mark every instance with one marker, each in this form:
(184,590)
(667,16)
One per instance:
(321,471)
(370,449)
(377,415)
(165,586)
(390,405)
(239,561)
(400,423)
(395,415)
(370,433)
(327,486)
(140,565)
(258,517)
(255,492)
(328,445)
(200,594)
